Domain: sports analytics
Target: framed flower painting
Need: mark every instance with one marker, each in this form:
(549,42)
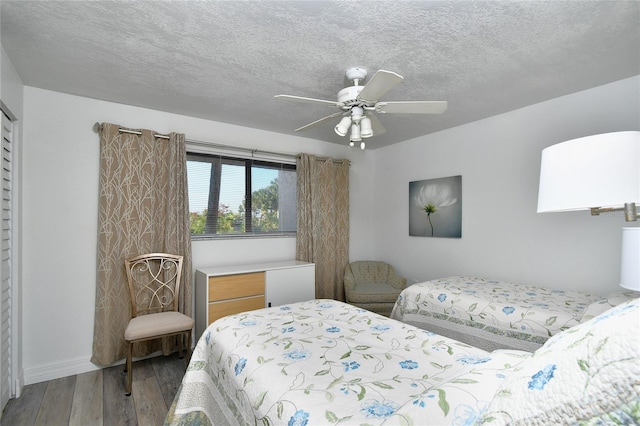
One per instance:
(435,207)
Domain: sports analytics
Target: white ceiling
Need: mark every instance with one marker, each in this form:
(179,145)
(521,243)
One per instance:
(225,60)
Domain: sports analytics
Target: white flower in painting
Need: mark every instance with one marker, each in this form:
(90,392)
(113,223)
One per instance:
(434,197)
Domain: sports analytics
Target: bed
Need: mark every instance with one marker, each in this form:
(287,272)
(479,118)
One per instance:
(495,314)
(327,362)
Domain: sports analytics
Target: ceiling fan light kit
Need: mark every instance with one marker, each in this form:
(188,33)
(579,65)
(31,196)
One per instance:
(357,104)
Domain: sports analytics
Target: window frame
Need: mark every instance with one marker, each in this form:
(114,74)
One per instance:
(248,163)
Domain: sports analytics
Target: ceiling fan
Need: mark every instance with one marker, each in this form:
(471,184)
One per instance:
(357,105)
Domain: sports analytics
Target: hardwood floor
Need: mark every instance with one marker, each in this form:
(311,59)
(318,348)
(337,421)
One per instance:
(98,397)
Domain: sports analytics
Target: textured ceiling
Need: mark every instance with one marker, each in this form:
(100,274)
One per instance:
(225,60)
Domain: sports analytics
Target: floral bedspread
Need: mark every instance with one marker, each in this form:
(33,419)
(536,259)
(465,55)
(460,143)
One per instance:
(326,362)
(520,311)
(587,375)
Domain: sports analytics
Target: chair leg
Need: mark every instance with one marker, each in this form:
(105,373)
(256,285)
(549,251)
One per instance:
(180,342)
(129,368)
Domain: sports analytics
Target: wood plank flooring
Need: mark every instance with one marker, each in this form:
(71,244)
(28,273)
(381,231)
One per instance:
(98,398)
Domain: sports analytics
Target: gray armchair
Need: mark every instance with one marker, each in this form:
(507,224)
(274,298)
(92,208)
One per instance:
(373,286)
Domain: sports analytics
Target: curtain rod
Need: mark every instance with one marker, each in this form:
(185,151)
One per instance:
(216,145)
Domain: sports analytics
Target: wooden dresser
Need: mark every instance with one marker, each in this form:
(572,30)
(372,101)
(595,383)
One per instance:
(227,290)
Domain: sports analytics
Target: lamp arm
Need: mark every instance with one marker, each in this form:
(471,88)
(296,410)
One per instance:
(630,213)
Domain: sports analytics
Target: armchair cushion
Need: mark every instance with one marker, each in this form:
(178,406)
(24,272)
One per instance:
(374,293)
(373,285)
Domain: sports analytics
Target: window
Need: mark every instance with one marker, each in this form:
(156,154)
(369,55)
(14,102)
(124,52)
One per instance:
(238,197)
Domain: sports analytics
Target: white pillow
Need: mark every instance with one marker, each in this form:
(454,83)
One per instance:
(590,372)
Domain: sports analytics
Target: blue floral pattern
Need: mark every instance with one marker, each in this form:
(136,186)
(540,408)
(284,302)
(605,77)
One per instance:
(472,359)
(589,374)
(368,369)
(542,377)
(242,362)
(508,310)
(514,312)
(408,364)
(299,418)
(350,365)
(379,371)
(379,409)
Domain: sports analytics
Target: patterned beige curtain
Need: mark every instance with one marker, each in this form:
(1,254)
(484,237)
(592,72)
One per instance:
(143,208)
(323,221)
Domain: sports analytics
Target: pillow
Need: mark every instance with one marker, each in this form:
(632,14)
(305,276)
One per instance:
(608,302)
(590,372)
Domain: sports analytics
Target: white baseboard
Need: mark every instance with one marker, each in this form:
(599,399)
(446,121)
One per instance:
(18,384)
(57,370)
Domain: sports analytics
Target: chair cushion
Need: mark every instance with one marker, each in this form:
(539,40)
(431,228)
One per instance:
(148,326)
(373,292)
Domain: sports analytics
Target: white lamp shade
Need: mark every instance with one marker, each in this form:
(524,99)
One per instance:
(594,171)
(343,126)
(630,267)
(365,127)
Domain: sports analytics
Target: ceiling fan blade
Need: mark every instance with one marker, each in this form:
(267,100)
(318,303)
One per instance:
(376,125)
(318,122)
(381,82)
(301,98)
(412,107)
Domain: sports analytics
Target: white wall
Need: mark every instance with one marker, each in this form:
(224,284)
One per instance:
(502,235)
(11,86)
(61,160)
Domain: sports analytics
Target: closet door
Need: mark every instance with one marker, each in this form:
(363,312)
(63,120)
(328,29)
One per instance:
(5,264)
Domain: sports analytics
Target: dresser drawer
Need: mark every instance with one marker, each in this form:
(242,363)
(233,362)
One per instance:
(230,307)
(233,286)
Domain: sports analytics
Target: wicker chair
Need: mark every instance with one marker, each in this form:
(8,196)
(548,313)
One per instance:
(373,286)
